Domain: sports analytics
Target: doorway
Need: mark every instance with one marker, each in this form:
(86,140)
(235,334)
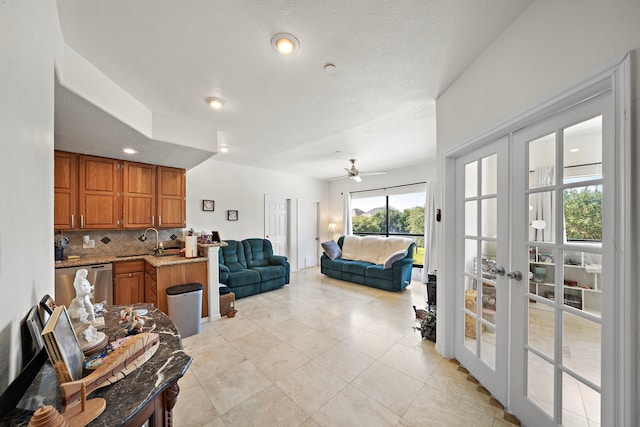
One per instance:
(276,223)
(308,240)
(537,269)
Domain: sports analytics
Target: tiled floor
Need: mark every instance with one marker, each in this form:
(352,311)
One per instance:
(322,352)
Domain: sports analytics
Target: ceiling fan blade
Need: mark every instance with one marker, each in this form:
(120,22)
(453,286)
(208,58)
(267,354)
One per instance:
(372,173)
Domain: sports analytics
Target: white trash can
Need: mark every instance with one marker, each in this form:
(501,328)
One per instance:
(185,307)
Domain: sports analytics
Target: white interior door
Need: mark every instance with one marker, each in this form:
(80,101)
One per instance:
(559,198)
(308,240)
(482,248)
(276,223)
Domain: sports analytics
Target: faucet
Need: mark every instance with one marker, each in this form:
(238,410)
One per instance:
(143,237)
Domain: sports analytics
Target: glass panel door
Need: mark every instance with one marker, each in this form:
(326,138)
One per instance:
(556,336)
(483,247)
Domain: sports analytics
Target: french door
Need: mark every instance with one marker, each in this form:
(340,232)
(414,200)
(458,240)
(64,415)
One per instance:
(533,248)
(483,215)
(560,197)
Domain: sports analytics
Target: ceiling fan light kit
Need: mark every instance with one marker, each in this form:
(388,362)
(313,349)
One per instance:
(215,102)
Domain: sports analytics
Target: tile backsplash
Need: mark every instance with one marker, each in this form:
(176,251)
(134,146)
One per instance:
(120,242)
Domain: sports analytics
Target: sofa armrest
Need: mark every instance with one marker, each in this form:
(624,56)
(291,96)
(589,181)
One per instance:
(223,268)
(278,260)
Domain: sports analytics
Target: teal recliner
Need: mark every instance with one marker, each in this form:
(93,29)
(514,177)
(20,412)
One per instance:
(249,267)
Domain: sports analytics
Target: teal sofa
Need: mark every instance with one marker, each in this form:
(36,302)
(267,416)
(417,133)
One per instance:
(396,277)
(249,267)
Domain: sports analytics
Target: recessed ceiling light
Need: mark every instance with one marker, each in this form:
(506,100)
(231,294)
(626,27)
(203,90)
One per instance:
(223,149)
(330,68)
(574,150)
(129,150)
(215,102)
(285,43)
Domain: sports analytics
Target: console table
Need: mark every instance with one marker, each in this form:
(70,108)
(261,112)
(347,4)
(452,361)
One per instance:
(147,394)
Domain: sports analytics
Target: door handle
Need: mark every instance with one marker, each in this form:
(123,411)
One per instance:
(516,275)
(497,271)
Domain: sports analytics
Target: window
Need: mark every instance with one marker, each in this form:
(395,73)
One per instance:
(393,212)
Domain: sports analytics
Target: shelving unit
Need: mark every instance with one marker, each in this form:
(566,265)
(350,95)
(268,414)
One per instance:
(582,279)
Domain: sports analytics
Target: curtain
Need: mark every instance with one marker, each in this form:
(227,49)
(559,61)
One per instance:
(346,215)
(429,265)
(542,227)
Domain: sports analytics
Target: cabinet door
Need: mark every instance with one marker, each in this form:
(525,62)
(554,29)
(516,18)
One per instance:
(150,290)
(139,195)
(65,184)
(99,186)
(171,197)
(128,288)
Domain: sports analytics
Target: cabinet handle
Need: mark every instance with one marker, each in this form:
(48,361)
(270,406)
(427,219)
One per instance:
(73,222)
(159,221)
(153,220)
(81,221)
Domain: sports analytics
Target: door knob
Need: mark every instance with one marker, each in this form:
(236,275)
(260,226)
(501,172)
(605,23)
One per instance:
(496,271)
(516,275)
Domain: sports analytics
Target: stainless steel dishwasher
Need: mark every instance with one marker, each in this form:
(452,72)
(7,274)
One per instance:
(99,275)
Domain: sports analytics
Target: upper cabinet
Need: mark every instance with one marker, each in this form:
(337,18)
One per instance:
(100,183)
(171,197)
(95,193)
(65,207)
(139,195)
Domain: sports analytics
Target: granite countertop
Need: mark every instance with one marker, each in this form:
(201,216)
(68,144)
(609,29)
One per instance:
(130,394)
(156,261)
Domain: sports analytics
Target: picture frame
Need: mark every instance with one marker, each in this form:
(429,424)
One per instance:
(62,346)
(232,215)
(47,305)
(34,325)
(208,205)
(215,237)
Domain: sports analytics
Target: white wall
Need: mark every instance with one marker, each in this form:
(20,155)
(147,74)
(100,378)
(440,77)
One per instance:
(549,48)
(29,35)
(408,175)
(243,188)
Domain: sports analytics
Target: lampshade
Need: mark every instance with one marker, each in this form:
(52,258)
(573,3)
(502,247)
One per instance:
(332,227)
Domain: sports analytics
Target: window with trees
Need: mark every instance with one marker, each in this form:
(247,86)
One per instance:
(391,212)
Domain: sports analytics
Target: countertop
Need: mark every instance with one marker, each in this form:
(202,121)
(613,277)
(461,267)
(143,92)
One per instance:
(156,261)
(127,396)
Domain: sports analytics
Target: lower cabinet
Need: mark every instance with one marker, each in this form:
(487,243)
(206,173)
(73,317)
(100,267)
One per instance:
(158,279)
(128,282)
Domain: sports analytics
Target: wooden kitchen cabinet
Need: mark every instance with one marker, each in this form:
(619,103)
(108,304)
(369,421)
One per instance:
(158,279)
(150,285)
(65,190)
(139,195)
(128,282)
(99,185)
(171,196)
(98,193)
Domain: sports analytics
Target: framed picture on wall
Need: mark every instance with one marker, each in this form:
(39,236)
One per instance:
(208,205)
(215,237)
(232,215)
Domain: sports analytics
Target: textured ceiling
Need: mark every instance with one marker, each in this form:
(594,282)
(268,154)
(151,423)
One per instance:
(393,59)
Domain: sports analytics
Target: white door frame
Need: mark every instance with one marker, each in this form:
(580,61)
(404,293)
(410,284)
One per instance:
(620,331)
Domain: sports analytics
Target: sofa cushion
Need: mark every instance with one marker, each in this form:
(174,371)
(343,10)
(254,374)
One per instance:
(257,251)
(375,249)
(232,256)
(355,267)
(378,272)
(396,256)
(270,272)
(332,249)
(242,278)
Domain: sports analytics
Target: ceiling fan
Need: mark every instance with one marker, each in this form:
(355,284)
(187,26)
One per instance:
(355,174)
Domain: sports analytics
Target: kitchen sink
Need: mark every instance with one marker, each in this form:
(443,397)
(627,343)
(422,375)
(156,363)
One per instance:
(127,256)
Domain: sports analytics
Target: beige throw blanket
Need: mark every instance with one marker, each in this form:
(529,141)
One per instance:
(375,249)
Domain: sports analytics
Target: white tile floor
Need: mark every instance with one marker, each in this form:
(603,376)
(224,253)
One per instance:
(322,352)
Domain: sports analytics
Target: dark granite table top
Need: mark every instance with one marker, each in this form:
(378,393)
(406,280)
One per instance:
(126,397)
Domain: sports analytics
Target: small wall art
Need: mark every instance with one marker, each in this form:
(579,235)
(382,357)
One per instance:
(232,215)
(208,205)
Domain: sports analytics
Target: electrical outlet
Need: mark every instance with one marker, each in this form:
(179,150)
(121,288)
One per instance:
(89,244)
